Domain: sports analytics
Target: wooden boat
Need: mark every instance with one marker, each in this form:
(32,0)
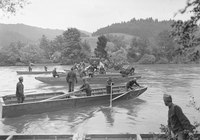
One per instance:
(34,72)
(99,80)
(45,102)
(88,137)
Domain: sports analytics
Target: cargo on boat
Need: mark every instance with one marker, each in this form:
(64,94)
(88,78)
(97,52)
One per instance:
(47,102)
(99,80)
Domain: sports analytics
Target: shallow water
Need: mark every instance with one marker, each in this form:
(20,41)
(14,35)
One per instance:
(141,115)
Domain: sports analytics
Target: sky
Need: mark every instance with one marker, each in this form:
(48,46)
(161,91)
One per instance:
(90,15)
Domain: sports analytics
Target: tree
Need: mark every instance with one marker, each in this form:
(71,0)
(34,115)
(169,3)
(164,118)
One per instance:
(31,53)
(72,47)
(11,6)
(166,45)
(101,45)
(46,47)
(185,33)
(138,48)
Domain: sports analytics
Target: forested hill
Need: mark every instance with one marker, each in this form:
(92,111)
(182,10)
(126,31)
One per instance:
(147,28)
(19,32)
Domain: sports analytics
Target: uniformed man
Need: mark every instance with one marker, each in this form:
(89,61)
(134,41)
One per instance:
(55,74)
(20,90)
(86,87)
(178,124)
(109,85)
(71,79)
(132,83)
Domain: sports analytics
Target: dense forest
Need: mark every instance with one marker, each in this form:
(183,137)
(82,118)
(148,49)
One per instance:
(144,28)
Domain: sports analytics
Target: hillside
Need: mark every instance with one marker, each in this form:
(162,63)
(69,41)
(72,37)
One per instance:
(146,28)
(25,33)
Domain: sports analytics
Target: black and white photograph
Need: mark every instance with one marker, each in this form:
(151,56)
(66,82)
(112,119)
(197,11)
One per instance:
(100,69)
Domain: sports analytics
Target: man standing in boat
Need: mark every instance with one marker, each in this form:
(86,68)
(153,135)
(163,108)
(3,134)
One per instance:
(109,85)
(71,79)
(131,83)
(86,87)
(20,90)
(178,124)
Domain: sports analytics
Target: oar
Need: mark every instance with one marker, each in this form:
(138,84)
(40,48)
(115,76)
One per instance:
(119,96)
(60,96)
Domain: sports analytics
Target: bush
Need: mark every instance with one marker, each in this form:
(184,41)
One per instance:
(147,59)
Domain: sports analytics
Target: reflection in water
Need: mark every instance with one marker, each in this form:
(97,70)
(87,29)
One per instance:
(70,119)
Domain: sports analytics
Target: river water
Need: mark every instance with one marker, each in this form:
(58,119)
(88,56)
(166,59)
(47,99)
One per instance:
(141,115)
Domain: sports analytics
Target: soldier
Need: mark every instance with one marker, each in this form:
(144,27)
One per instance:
(20,90)
(71,79)
(109,85)
(86,87)
(55,74)
(178,124)
(131,83)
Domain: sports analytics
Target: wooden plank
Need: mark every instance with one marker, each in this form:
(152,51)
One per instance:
(60,96)
(10,137)
(139,137)
(119,96)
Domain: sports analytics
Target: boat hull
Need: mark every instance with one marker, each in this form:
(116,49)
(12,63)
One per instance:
(33,72)
(94,80)
(153,136)
(11,109)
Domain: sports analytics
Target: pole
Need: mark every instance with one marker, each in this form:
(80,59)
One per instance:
(111,95)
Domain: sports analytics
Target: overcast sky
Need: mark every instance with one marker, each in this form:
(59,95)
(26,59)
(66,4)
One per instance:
(90,15)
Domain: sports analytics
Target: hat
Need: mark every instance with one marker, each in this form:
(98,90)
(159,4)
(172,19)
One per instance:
(20,78)
(167,97)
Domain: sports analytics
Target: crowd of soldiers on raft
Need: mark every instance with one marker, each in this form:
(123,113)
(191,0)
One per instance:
(94,68)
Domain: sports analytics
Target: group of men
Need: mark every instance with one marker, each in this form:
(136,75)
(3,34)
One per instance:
(178,124)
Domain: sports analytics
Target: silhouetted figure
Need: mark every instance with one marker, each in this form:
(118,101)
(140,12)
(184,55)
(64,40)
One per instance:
(20,90)
(71,79)
(178,124)
(130,84)
(109,85)
(86,87)
(45,68)
(55,74)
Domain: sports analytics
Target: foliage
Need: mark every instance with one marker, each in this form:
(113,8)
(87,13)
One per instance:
(101,45)
(119,57)
(46,47)
(147,59)
(30,53)
(11,6)
(186,33)
(72,46)
(144,28)
(166,45)
(138,48)
(118,41)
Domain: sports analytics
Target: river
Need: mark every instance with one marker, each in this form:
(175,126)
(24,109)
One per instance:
(141,115)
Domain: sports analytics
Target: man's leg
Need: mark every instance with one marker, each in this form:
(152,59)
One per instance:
(69,86)
(72,86)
